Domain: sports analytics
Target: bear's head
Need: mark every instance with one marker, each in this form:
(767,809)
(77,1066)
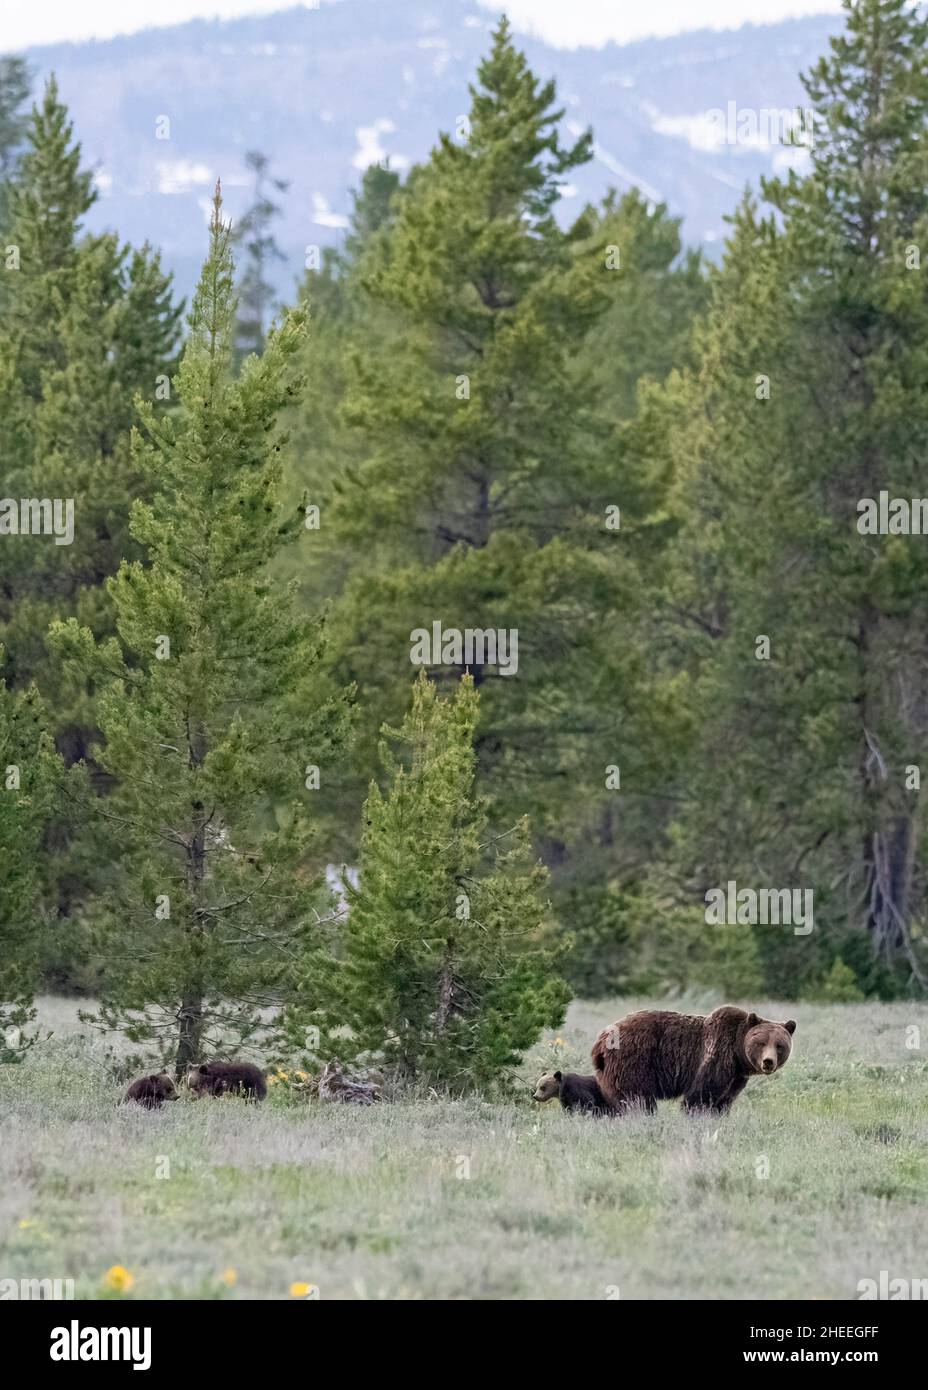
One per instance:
(548,1087)
(163,1086)
(198,1077)
(767,1045)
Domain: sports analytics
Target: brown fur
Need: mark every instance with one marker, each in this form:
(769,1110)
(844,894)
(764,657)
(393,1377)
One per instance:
(224,1078)
(574,1092)
(151,1091)
(335,1085)
(706,1060)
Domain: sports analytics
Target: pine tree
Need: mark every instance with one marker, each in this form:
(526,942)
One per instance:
(371,213)
(258,248)
(478,468)
(116,335)
(207,704)
(87,324)
(479,267)
(809,397)
(14,90)
(45,203)
(647,330)
(345,323)
(441,972)
(29,771)
(47,200)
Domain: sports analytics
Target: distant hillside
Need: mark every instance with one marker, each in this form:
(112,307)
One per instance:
(325,92)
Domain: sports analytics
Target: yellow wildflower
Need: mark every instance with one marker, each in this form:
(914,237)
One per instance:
(118,1279)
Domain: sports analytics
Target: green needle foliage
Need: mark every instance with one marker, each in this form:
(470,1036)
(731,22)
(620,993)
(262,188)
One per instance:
(809,397)
(513,427)
(442,972)
(486,358)
(29,774)
(209,706)
(14,89)
(87,323)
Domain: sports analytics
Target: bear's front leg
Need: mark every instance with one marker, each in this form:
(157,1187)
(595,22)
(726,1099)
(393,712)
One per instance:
(733,1092)
(694,1101)
(714,1099)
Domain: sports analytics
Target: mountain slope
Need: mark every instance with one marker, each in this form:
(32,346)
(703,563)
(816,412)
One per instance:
(324,92)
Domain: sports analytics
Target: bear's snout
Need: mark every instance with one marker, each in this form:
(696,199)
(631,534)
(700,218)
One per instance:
(769,1063)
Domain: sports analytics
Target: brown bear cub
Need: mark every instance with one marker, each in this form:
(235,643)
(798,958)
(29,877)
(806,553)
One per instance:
(227,1078)
(335,1085)
(705,1059)
(575,1092)
(151,1091)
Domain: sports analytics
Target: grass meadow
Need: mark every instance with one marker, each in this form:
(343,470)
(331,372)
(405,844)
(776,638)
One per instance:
(818,1178)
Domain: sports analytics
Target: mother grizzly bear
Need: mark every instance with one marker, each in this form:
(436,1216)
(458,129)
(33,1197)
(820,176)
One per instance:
(706,1059)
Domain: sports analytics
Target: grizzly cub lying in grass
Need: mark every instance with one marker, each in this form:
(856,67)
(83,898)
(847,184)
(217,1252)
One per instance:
(151,1091)
(227,1078)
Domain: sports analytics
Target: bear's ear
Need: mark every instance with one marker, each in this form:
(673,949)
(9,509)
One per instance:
(790,1025)
(753,1020)
(163,1071)
(557,1077)
(203,1069)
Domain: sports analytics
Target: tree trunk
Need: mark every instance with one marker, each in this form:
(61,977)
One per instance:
(889,840)
(445,989)
(190,1015)
(889,903)
(190,1035)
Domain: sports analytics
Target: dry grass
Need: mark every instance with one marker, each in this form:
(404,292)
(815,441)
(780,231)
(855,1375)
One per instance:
(369,1203)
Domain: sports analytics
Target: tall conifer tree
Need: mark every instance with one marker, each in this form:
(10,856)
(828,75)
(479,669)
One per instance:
(480,472)
(441,972)
(809,398)
(211,721)
(87,324)
(258,249)
(14,89)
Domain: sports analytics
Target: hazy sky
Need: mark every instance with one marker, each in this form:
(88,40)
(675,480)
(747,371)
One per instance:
(566,24)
